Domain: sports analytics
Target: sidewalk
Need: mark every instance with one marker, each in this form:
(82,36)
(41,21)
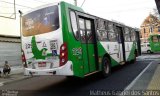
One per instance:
(148,79)
(15,75)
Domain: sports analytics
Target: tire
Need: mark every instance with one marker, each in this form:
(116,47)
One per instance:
(106,67)
(149,51)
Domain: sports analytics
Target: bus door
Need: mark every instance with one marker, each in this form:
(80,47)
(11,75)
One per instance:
(121,44)
(88,43)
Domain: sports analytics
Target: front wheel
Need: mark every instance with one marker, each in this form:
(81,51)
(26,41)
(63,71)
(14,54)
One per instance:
(106,67)
(149,51)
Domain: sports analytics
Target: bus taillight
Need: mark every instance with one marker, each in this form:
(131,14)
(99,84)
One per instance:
(63,54)
(24,60)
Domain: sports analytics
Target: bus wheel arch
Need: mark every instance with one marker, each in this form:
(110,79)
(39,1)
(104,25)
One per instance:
(149,51)
(106,66)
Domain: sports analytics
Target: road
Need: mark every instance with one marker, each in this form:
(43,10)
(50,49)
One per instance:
(119,79)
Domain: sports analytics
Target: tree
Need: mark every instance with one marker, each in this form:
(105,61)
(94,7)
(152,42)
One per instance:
(155,13)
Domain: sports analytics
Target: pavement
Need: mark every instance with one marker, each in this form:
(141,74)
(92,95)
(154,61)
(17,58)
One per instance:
(15,75)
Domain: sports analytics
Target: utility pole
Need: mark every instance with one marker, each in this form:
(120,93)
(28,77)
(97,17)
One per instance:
(75,2)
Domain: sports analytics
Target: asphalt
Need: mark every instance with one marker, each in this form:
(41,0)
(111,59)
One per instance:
(147,83)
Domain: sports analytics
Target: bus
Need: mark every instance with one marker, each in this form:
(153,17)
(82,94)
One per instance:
(61,39)
(154,42)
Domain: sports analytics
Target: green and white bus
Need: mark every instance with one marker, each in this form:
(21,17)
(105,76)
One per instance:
(154,43)
(61,39)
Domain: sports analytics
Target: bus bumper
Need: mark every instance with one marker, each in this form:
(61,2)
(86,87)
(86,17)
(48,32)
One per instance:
(66,70)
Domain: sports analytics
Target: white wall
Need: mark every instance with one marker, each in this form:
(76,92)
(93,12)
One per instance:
(10,52)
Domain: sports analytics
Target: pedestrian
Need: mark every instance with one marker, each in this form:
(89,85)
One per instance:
(6,69)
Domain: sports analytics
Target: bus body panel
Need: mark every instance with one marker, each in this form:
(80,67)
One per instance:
(132,54)
(74,46)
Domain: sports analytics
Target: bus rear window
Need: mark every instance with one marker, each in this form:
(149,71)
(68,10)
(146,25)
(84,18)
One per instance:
(40,21)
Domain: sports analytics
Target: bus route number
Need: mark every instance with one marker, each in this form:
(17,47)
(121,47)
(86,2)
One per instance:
(53,45)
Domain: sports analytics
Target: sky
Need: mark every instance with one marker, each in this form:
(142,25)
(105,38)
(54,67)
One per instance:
(128,12)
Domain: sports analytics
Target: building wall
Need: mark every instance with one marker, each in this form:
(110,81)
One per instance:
(10,50)
(151,25)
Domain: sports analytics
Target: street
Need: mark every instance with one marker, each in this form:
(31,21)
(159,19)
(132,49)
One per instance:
(119,79)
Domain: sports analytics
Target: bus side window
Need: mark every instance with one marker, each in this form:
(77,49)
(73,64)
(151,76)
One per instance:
(155,39)
(111,32)
(133,38)
(82,30)
(74,24)
(127,36)
(89,31)
(101,30)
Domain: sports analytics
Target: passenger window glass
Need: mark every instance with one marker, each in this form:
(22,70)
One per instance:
(111,33)
(101,24)
(88,24)
(81,23)
(101,30)
(74,24)
(127,37)
(133,35)
(82,34)
(112,36)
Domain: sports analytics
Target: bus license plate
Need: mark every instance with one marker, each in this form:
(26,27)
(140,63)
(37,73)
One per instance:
(42,64)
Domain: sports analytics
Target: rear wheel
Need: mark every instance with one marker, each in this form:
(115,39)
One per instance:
(106,67)
(149,51)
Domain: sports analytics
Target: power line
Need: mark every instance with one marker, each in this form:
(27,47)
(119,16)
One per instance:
(16,4)
(83,3)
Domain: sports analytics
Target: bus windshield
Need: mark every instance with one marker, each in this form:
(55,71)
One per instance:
(40,21)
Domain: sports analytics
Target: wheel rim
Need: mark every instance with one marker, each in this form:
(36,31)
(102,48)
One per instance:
(106,66)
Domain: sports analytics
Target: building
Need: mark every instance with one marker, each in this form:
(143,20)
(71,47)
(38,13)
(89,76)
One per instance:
(10,50)
(151,25)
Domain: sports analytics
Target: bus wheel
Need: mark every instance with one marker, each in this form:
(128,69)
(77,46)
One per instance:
(149,51)
(106,67)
